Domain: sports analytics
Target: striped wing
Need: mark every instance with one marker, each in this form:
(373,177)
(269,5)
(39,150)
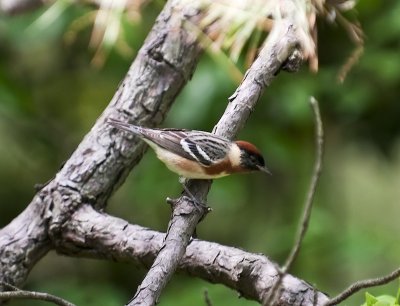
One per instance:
(205,148)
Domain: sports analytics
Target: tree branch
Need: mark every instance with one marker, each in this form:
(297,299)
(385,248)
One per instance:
(97,235)
(280,44)
(13,7)
(319,152)
(303,226)
(17,293)
(102,160)
(207,299)
(357,286)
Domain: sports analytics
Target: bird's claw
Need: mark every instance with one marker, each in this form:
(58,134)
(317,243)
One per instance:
(198,205)
(201,207)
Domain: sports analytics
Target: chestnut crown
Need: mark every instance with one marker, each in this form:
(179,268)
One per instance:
(251,158)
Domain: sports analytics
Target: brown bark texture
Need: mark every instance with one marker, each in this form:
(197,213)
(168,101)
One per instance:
(66,213)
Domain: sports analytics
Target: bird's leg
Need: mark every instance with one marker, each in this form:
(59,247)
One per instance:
(200,206)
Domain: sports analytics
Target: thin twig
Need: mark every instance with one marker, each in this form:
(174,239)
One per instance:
(9,286)
(17,293)
(357,286)
(319,151)
(350,63)
(207,298)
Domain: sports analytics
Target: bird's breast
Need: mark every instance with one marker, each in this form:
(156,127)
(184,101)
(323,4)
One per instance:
(188,168)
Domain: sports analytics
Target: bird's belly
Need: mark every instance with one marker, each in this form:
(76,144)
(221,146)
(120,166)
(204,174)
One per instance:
(185,167)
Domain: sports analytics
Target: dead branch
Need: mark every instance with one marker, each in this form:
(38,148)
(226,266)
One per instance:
(357,286)
(13,7)
(16,293)
(280,45)
(103,159)
(97,235)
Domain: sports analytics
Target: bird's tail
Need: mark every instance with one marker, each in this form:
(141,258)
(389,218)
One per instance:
(125,126)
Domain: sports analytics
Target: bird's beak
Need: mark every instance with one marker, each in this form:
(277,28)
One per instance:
(264,169)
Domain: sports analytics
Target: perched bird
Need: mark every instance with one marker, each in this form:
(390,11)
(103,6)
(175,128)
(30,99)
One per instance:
(198,154)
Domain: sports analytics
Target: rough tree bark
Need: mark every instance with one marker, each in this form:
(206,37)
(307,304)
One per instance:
(101,162)
(94,234)
(64,214)
(281,44)
(12,7)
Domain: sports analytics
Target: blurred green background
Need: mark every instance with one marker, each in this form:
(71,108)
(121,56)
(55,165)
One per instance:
(50,96)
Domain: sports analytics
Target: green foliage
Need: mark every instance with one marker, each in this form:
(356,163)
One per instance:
(50,96)
(382,300)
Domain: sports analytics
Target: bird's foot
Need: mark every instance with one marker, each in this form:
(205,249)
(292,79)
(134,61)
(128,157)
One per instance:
(201,207)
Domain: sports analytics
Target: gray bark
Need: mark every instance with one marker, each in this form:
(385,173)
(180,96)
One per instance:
(97,235)
(103,159)
(13,7)
(63,215)
(281,44)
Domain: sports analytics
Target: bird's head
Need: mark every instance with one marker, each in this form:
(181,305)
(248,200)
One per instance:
(251,158)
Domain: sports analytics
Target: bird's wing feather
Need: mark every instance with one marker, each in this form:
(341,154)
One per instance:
(168,139)
(205,148)
(208,149)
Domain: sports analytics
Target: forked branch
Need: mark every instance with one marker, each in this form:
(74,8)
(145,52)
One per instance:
(281,43)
